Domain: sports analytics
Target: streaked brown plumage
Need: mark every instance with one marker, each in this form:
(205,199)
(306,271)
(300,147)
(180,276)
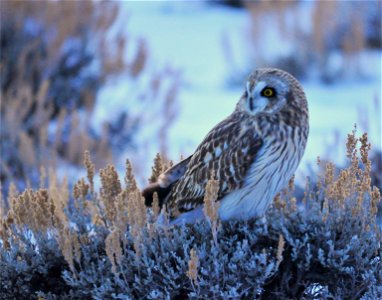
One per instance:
(253,152)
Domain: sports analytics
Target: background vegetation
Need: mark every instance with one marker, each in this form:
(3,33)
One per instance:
(52,69)
(329,48)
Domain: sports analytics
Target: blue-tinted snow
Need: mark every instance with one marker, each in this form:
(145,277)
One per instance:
(190,36)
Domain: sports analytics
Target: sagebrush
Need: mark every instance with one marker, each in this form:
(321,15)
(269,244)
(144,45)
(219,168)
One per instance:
(106,244)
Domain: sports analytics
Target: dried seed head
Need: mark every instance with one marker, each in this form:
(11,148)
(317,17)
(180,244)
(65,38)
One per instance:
(12,192)
(60,197)
(121,204)
(293,204)
(211,206)
(42,177)
(329,173)
(70,247)
(351,144)
(114,250)
(110,189)
(80,189)
(365,149)
(130,182)
(193,265)
(375,199)
(157,169)
(136,210)
(34,209)
(90,169)
(278,202)
(280,250)
(155,206)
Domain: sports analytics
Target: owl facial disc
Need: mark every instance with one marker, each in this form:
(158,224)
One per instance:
(265,97)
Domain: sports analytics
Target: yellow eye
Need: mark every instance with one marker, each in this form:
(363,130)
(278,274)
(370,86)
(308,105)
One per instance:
(268,92)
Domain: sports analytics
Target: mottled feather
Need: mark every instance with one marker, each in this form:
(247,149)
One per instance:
(165,182)
(226,153)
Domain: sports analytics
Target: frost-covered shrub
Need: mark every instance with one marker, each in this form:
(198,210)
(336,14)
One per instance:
(105,245)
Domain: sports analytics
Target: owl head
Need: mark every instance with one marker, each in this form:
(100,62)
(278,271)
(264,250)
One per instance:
(269,91)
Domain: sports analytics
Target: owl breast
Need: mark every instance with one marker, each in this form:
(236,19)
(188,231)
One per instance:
(269,173)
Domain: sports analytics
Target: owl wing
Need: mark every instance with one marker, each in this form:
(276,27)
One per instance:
(228,152)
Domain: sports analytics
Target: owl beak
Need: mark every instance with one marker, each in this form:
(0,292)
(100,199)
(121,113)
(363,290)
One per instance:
(249,96)
(257,105)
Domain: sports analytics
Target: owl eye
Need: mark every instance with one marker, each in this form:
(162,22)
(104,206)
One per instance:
(268,92)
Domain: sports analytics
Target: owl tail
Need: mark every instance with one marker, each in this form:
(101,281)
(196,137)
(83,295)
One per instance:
(165,183)
(162,193)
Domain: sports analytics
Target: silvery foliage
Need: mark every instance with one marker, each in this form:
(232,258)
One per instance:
(323,258)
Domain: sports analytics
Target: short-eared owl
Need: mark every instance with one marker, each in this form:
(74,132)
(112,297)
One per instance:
(253,153)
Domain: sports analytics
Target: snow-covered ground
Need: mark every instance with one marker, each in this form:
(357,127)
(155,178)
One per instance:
(190,36)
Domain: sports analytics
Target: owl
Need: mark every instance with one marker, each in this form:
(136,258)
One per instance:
(253,153)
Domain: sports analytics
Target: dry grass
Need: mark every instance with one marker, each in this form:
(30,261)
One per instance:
(193,265)
(113,249)
(157,169)
(335,28)
(211,206)
(120,209)
(117,207)
(280,249)
(36,100)
(47,103)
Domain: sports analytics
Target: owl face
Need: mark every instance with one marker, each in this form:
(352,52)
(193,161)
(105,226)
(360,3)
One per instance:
(267,92)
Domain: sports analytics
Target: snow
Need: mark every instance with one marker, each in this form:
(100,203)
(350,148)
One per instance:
(191,36)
